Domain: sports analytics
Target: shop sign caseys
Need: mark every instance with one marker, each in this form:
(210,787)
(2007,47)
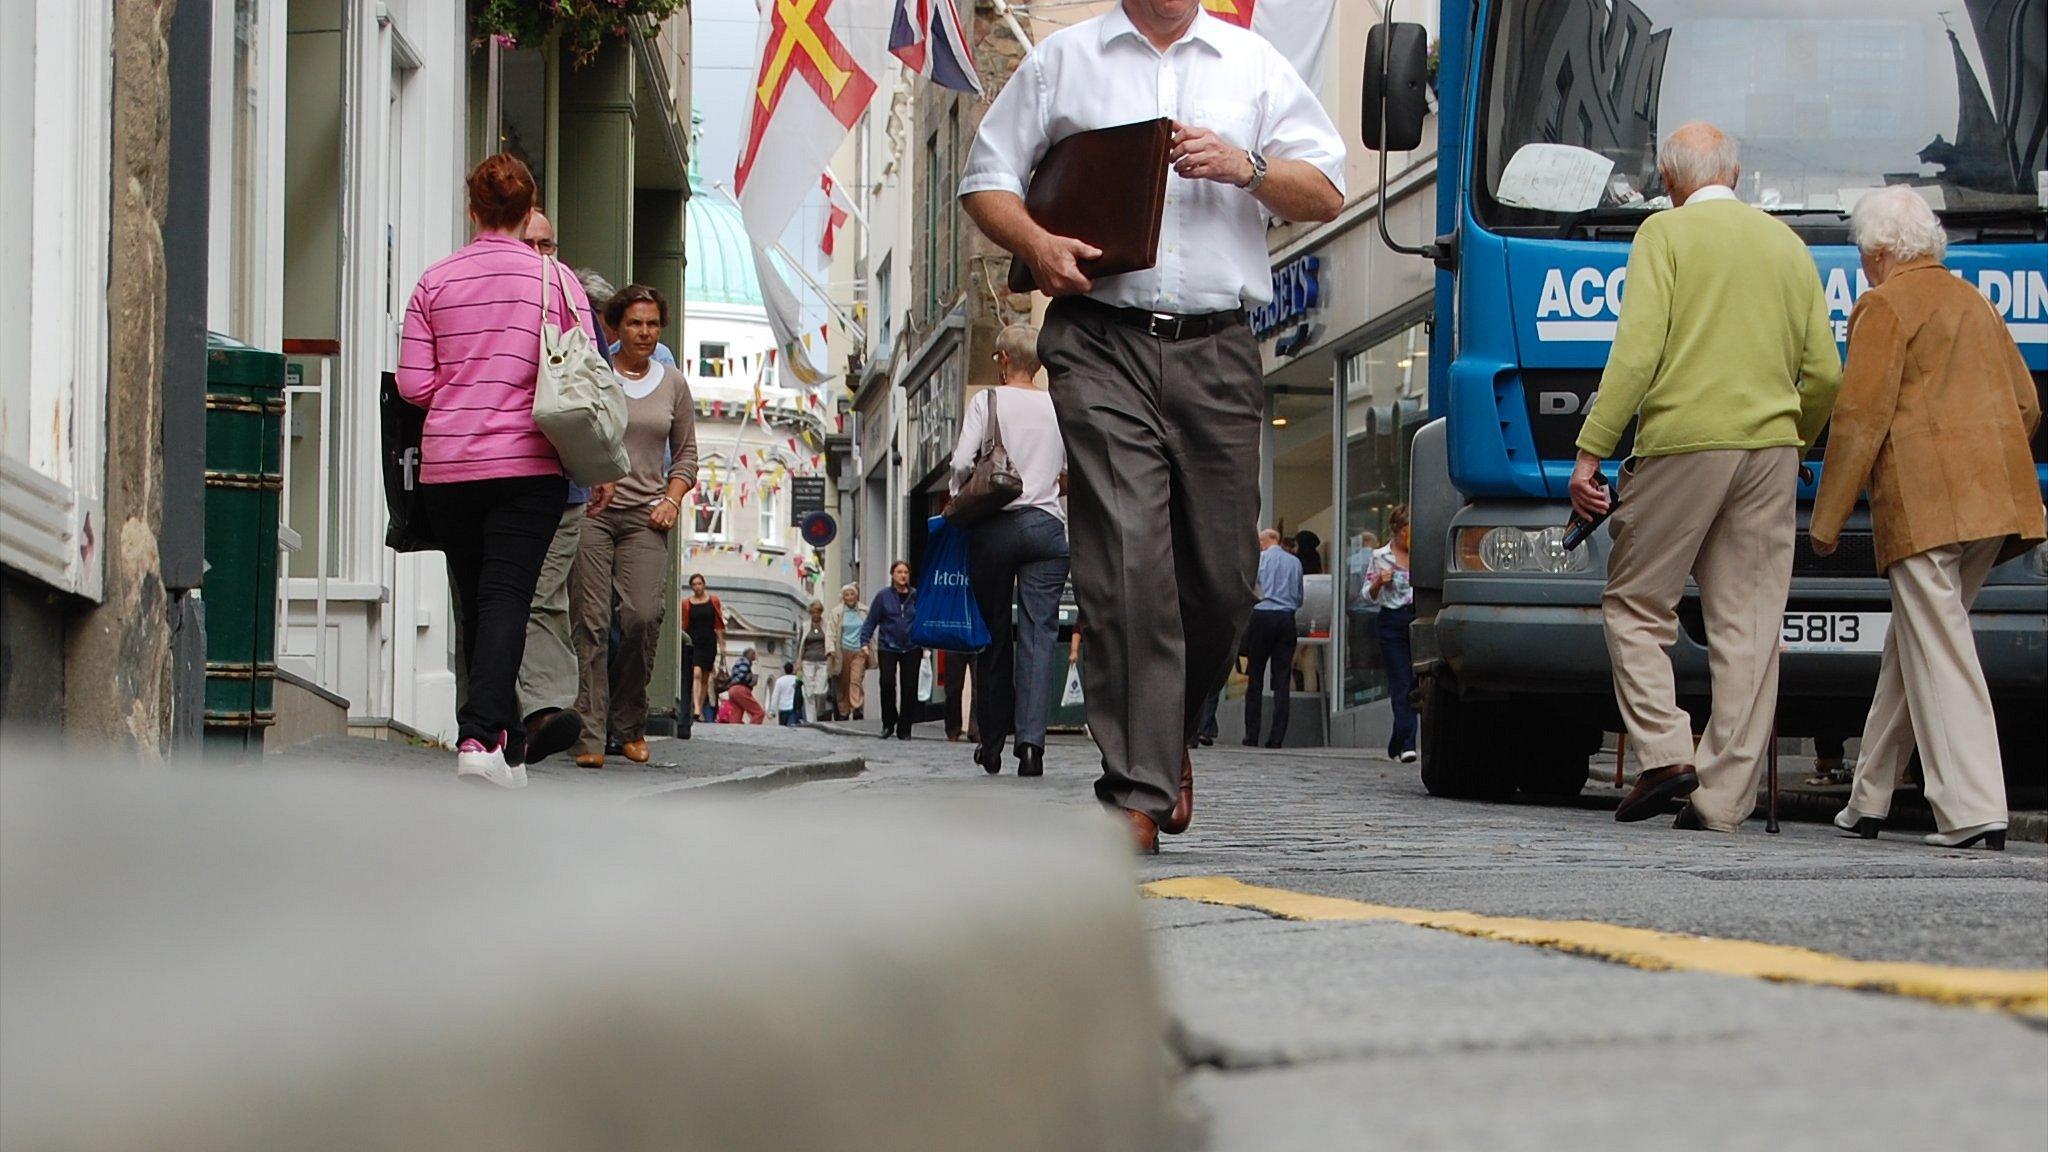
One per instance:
(1297,291)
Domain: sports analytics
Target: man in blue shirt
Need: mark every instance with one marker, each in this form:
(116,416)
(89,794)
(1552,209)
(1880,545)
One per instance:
(1269,637)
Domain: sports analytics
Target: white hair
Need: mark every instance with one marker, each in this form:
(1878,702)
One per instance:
(1897,220)
(596,287)
(1688,163)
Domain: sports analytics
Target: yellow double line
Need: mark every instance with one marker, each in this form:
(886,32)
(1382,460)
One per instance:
(2023,991)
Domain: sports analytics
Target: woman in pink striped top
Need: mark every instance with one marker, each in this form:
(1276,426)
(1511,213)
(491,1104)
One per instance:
(493,485)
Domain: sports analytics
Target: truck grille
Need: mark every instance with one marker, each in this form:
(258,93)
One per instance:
(1857,556)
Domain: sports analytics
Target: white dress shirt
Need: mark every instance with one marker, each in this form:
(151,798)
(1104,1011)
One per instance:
(1101,73)
(1031,435)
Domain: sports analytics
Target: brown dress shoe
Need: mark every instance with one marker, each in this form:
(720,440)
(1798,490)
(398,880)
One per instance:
(1656,788)
(1176,821)
(1144,833)
(636,751)
(590,760)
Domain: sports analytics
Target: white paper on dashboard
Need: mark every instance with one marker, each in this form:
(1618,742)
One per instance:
(1554,178)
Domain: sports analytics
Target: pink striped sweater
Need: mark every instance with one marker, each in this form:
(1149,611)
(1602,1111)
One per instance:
(469,356)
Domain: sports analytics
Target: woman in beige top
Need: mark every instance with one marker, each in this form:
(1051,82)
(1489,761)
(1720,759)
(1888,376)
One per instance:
(625,547)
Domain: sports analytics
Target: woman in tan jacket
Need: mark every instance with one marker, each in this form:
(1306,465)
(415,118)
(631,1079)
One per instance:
(1934,417)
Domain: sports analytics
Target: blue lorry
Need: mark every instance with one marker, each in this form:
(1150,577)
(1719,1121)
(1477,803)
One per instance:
(1548,117)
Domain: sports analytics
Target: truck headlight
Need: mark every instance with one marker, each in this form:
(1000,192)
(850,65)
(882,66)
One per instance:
(1507,549)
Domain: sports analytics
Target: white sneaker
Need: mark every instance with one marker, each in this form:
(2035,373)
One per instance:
(1408,757)
(472,759)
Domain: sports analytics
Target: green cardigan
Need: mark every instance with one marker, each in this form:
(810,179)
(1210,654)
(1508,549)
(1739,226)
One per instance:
(1724,339)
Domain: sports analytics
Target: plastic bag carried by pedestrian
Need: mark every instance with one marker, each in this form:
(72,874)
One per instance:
(947,617)
(1072,697)
(927,678)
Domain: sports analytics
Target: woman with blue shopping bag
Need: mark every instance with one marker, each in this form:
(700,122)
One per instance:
(888,627)
(1007,471)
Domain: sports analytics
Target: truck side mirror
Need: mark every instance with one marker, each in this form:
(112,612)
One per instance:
(1396,75)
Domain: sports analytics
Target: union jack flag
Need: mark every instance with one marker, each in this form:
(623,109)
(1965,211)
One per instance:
(930,39)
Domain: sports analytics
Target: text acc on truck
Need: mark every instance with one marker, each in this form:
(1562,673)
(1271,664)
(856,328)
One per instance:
(1548,114)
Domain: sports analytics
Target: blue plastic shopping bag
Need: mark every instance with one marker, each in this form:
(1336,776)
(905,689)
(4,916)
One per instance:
(947,617)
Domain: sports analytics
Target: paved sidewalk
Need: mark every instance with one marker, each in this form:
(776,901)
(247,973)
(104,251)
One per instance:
(714,755)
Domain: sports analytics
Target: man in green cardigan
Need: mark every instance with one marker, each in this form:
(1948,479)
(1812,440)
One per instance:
(1725,357)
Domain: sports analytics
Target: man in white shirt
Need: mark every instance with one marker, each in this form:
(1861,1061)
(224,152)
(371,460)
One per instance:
(1154,375)
(783,696)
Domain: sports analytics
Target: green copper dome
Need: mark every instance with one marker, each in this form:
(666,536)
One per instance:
(720,268)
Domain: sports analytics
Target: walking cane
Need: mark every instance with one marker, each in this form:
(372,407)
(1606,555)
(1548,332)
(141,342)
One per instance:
(1771,771)
(1620,759)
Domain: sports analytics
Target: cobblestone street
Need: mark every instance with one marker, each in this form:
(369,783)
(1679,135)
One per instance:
(1306,1035)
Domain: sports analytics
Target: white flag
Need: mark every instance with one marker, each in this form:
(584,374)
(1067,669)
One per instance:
(785,317)
(1298,28)
(818,66)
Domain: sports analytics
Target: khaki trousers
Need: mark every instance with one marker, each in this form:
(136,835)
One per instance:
(547,673)
(853,690)
(1931,690)
(1725,518)
(622,556)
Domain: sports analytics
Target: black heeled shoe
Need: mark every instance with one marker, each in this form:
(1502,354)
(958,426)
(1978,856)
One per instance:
(1854,823)
(1988,836)
(991,759)
(1030,760)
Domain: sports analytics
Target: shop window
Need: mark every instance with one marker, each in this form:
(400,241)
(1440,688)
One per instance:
(55,77)
(523,108)
(1385,391)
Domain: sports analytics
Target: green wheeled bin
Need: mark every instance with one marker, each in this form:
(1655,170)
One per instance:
(244,481)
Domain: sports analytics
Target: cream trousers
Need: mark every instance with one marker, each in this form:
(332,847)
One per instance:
(1724,518)
(1931,691)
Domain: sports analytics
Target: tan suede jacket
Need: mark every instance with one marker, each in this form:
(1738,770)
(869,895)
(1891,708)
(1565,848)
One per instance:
(1934,417)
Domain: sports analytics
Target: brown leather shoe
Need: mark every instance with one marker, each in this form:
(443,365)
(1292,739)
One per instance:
(1144,833)
(1656,788)
(636,751)
(1184,801)
(590,760)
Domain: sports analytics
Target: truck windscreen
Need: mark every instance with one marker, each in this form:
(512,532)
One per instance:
(1828,98)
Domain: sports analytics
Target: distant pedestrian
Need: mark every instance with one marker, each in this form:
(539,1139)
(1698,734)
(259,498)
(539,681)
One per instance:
(888,624)
(1724,357)
(623,559)
(1308,548)
(492,483)
(814,650)
(849,648)
(741,691)
(1155,376)
(704,620)
(1934,419)
(1270,638)
(1389,585)
(784,696)
(1017,555)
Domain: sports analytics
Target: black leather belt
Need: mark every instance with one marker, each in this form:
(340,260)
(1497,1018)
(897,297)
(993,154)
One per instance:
(1169,326)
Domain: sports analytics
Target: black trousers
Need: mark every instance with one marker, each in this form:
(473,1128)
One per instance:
(496,534)
(1162,442)
(1269,641)
(1394,647)
(899,689)
(1021,553)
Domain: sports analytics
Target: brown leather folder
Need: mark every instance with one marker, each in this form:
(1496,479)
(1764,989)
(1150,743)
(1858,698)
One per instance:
(1107,187)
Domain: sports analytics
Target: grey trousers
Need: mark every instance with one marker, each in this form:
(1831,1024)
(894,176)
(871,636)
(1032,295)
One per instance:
(1163,501)
(622,557)
(547,673)
(1024,553)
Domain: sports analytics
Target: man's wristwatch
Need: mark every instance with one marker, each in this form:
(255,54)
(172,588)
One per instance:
(1258,172)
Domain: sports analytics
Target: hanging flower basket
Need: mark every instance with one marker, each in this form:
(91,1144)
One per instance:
(584,25)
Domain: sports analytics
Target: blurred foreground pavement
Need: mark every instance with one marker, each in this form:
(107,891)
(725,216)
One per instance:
(922,956)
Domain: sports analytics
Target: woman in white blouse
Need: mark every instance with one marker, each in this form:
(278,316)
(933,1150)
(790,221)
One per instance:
(1019,552)
(1387,585)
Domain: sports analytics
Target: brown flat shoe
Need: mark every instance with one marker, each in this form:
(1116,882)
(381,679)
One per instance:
(1656,788)
(1144,833)
(636,751)
(1184,800)
(590,760)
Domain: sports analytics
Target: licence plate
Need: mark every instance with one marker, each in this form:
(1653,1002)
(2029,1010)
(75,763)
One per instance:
(1835,631)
